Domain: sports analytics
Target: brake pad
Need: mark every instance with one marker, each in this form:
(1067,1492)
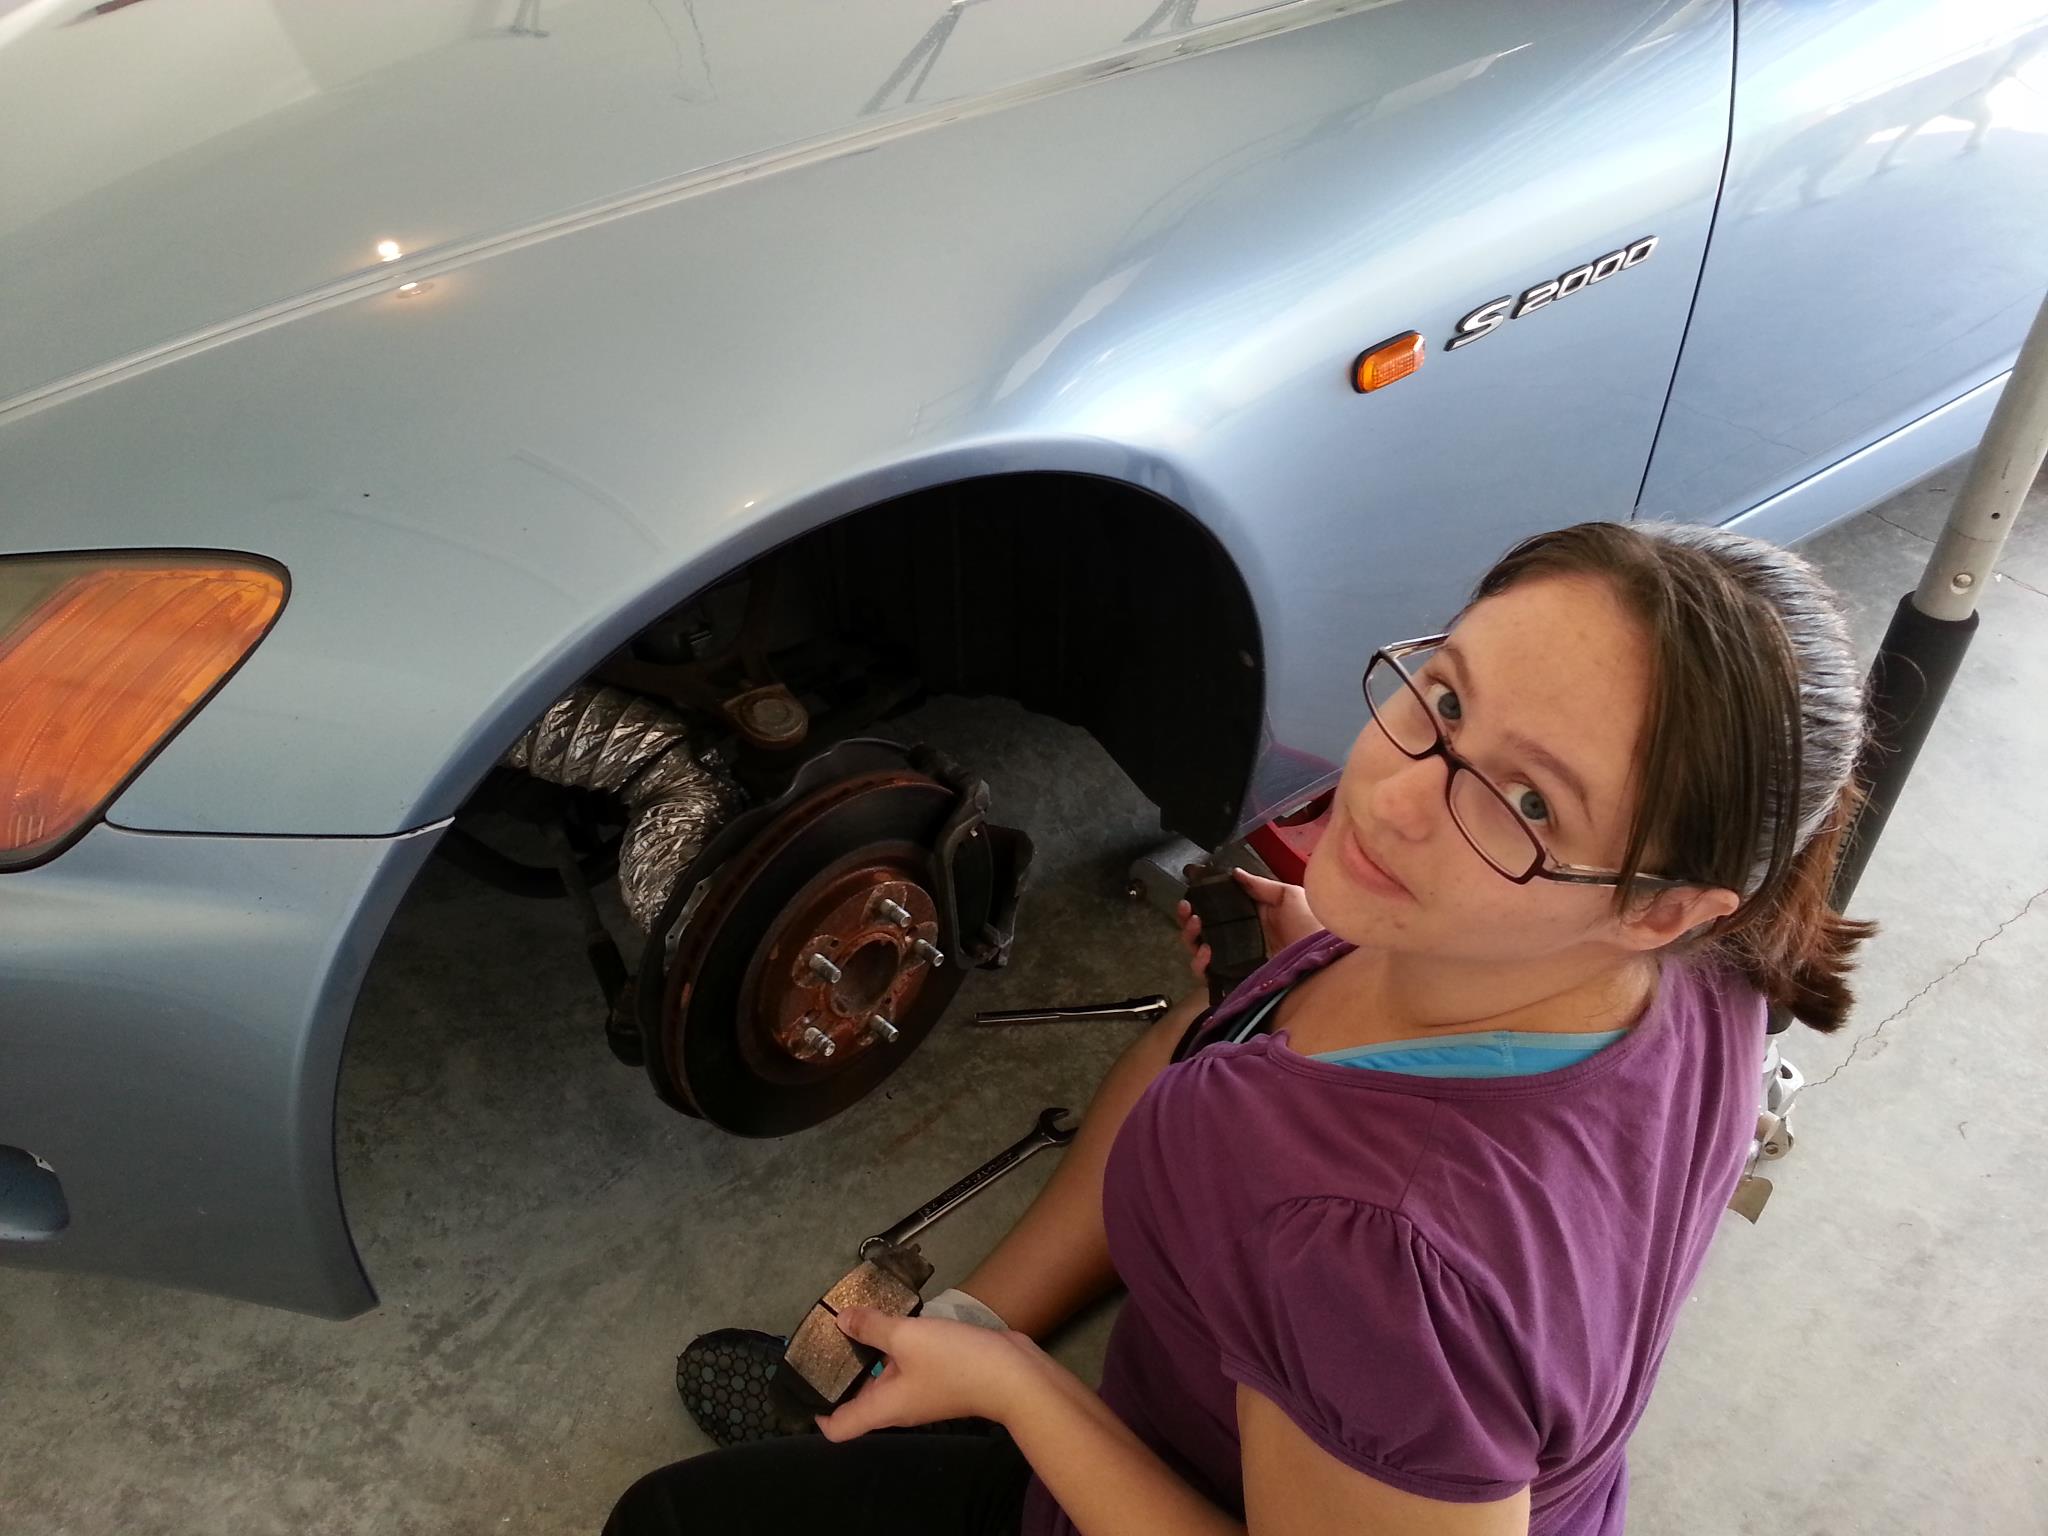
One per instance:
(822,1367)
(1230,927)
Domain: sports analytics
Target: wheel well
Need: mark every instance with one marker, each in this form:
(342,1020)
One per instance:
(1082,598)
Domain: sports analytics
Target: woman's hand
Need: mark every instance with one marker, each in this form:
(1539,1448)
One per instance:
(936,1370)
(1283,915)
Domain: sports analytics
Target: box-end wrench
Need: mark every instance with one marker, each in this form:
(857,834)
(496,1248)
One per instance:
(1137,1010)
(1048,1132)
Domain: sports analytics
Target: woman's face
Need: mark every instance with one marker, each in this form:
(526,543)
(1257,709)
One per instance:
(1544,689)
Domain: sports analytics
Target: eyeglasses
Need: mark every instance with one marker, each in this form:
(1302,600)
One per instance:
(1487,818)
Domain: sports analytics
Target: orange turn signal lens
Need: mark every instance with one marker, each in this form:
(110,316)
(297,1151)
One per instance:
(102,658)
(1387,363)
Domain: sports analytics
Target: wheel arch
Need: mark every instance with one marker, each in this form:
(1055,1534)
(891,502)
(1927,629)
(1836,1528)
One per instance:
(1153,637)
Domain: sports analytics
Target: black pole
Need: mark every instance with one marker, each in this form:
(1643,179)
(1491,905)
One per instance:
(1908,681)
(1933,625)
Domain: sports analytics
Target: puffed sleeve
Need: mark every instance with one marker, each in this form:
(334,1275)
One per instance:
(1347,1319)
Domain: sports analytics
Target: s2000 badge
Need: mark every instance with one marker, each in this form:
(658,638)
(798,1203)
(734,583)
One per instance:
(1492,315)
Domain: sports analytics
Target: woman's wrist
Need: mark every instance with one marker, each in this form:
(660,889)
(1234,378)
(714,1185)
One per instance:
(1032,1379)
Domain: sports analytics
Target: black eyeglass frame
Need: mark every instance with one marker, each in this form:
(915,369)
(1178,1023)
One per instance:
(1541,865)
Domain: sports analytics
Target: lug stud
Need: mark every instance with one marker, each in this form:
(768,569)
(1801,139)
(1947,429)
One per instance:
(819,1042)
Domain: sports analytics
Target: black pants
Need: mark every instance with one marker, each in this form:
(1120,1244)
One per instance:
(883,1484)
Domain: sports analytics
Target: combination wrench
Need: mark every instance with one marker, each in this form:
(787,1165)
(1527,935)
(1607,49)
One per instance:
(1047,1132)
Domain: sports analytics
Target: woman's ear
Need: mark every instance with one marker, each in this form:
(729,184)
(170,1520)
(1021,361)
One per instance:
(1670,915)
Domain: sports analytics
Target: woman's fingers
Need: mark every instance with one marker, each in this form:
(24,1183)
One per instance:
(872,1408)
(1283,909)
(1191,940)
(1267,893)
(869,1326)
(874,1405)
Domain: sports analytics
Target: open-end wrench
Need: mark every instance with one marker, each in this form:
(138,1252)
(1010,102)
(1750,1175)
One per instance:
(1137,1010)
(1048,1132)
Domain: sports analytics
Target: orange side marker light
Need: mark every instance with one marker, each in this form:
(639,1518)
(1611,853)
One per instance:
(1388,363)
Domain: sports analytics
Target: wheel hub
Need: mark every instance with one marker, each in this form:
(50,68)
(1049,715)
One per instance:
(844,963)
(817,939)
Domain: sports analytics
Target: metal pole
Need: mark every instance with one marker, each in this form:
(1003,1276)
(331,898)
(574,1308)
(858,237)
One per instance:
(1933,625)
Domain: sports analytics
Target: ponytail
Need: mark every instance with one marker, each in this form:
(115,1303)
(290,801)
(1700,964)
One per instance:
(1790,942)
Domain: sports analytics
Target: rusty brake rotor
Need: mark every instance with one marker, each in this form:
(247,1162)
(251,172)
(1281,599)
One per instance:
(818,939)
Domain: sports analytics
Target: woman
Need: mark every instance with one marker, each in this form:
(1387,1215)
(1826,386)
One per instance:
(1407,1221)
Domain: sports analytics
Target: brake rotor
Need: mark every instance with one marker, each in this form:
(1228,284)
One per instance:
(810,961)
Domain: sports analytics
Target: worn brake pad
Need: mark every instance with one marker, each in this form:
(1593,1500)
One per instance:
(822,1367)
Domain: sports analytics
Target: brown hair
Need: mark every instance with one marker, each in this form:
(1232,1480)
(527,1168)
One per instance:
(1745,769)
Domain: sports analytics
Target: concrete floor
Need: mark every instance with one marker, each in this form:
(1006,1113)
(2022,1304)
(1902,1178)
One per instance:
(1870,1359)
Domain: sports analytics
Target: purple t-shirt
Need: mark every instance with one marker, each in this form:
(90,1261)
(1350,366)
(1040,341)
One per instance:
(1457,1286)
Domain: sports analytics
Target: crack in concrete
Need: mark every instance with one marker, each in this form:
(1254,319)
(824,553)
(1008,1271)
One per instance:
(1907,1006)
(1914,532)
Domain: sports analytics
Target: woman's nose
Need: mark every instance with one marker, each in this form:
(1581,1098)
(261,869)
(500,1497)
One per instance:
(1409,800)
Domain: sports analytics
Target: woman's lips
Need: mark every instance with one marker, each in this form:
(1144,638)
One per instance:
(1362,868)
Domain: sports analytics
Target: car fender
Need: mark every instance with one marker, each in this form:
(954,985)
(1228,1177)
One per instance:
(482,485)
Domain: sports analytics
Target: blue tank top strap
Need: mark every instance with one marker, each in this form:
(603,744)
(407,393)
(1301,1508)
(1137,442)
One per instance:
(1490,1053)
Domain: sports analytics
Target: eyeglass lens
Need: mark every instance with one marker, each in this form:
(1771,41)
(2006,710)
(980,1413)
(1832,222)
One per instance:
(1502,838)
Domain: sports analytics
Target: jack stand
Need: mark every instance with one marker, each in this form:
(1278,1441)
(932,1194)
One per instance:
(1159,878)
(1155,878)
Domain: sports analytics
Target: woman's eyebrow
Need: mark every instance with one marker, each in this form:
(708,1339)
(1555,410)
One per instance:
(1536,752)
(1543,757)
(1450,653)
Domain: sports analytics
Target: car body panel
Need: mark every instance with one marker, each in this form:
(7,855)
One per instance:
(1878,252)
(680,301)
(1872,474)
(265,148)
(174,1010)
(481,489)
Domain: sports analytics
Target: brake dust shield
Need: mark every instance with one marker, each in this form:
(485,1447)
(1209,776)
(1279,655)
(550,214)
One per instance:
(817,939)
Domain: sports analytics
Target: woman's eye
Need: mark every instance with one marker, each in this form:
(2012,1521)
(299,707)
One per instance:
(1445,702)
(1529,804)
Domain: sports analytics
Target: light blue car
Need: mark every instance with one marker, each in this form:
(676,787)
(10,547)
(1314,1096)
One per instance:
(611,412)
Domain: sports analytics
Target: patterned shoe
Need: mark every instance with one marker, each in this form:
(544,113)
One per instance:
(726,1379)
